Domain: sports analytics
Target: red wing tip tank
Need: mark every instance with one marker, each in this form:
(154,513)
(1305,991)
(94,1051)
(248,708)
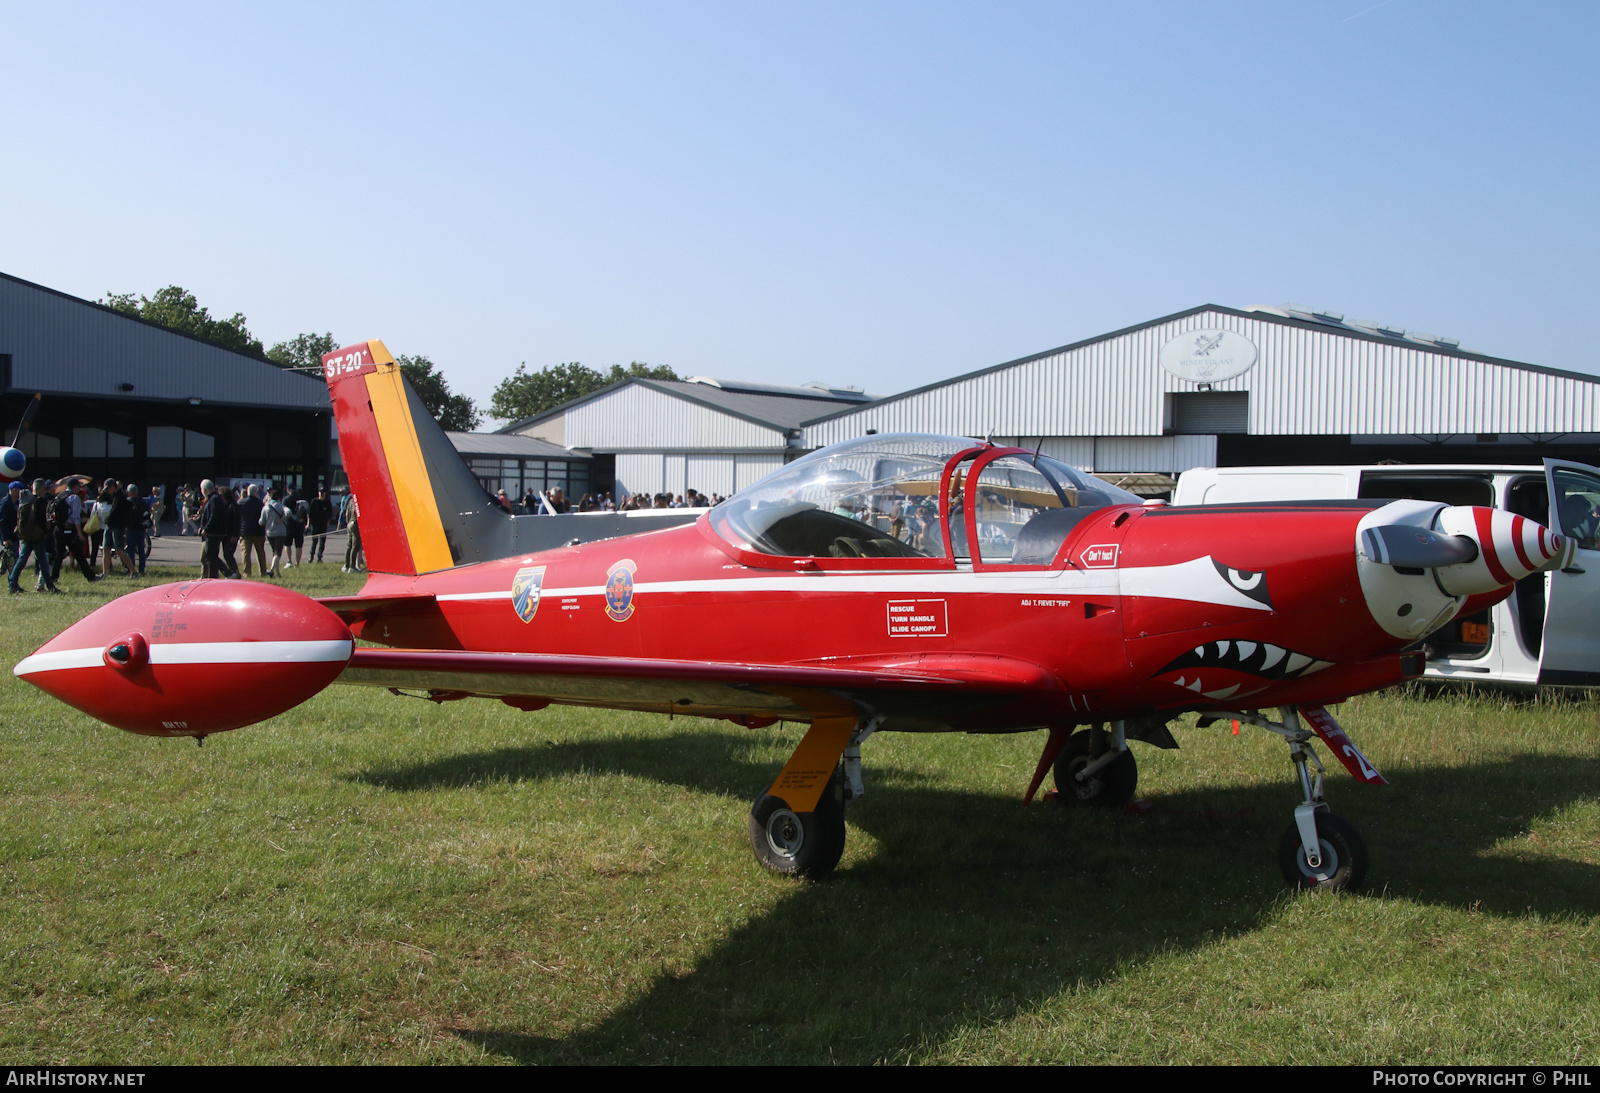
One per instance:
(896,582)
(193,658)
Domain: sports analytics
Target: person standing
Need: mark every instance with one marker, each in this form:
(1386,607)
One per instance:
(193,501)
(274,521)
(294,522)
(318,516)
(66,525)
(212,523)
(33,538)
(230,542)
(352,546)
(251,534)
(10,509)
(115,514)
(158,507)
(138,527)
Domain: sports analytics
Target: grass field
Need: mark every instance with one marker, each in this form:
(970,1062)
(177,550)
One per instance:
(374,879)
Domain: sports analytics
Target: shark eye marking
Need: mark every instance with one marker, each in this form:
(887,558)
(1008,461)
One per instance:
(1250,582)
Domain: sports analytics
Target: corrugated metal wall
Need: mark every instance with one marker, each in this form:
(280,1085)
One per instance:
(65,345)
(1305,382)
(724,474)
(640,417)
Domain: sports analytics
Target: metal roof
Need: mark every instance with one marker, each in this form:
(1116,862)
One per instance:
(815,390)
(62,344)
(1312,377)
(781,411)
(510,446)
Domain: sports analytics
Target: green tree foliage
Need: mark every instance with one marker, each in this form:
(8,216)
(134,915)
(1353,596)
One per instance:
(303,353)
(451,411)
(177,309)
(524,394)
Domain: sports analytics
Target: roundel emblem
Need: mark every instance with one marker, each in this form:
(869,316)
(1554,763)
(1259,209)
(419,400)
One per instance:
(619,590)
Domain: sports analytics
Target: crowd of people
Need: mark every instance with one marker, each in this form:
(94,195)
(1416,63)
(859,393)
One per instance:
(57,521)
(54,524)
(535,503)
(110,530)
(274,518)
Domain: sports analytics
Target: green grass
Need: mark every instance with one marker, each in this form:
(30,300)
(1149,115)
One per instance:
(372,879)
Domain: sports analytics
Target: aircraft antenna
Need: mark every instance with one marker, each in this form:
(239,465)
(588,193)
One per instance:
(1037,450)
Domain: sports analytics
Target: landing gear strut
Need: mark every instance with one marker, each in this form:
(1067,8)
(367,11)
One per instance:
(1096,768)
(797,825)
(1318,850)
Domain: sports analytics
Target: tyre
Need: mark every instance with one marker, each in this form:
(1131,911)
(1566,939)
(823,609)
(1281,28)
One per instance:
(1344,857)
(805,844)
(1111,786)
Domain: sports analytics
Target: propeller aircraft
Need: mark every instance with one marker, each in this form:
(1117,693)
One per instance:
(918,584)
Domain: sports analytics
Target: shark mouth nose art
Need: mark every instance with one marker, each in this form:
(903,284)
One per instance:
(1222,661)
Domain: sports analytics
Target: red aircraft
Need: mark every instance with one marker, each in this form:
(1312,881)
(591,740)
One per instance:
(894,582)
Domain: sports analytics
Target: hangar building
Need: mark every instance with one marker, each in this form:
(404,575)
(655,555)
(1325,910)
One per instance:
(665,436)
(1211,386)
(1218,386)
(127,399)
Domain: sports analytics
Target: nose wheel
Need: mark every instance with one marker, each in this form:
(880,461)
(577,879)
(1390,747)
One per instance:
(1318,850)
(1342,856)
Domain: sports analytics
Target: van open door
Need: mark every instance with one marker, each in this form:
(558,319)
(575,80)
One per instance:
(1571,653)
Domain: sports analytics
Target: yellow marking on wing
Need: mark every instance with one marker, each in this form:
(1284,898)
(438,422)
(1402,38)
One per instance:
(413,492)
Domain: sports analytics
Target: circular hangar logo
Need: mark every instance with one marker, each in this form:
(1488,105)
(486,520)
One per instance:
(1208,356)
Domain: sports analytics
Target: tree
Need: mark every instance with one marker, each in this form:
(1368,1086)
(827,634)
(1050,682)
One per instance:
(524,394)
(303,353)
(454,412)
(176,309)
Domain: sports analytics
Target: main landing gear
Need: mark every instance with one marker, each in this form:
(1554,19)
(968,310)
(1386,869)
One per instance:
(797,825)
(1318,849)
(1095,767)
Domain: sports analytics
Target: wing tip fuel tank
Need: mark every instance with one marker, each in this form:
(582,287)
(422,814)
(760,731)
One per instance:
(193,658)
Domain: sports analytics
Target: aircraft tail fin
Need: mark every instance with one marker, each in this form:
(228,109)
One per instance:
(421,509)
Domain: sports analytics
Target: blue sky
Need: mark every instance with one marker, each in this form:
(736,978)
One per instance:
(872,194)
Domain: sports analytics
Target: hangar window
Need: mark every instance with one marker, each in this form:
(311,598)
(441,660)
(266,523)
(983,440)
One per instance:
(38,445)
(100,444)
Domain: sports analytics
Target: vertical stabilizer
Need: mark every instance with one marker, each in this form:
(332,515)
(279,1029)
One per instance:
(422,509)
(382,433)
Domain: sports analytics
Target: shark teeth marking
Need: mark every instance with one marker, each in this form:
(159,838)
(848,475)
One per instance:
(1272,662)
(1226,692)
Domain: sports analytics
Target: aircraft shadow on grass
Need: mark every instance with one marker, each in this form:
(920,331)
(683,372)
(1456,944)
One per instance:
(973,908)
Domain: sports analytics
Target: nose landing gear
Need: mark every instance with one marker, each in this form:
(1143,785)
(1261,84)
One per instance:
(1318,850)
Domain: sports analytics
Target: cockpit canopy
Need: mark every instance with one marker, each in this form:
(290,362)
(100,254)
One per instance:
(905,495)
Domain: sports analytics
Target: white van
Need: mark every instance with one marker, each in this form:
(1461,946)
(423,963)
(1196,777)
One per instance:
(1547,632)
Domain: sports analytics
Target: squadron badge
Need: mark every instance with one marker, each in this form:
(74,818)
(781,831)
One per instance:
(525,591)
(619,590)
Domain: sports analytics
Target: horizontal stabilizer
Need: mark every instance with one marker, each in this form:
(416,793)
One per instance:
(353,609)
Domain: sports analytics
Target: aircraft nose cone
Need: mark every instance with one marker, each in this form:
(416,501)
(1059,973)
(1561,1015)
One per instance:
(1510,547)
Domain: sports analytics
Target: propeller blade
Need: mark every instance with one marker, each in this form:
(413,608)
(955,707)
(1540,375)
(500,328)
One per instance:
(27,419)
(1416,548)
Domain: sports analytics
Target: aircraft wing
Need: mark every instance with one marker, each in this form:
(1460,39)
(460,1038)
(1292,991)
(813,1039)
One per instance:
(928,689)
